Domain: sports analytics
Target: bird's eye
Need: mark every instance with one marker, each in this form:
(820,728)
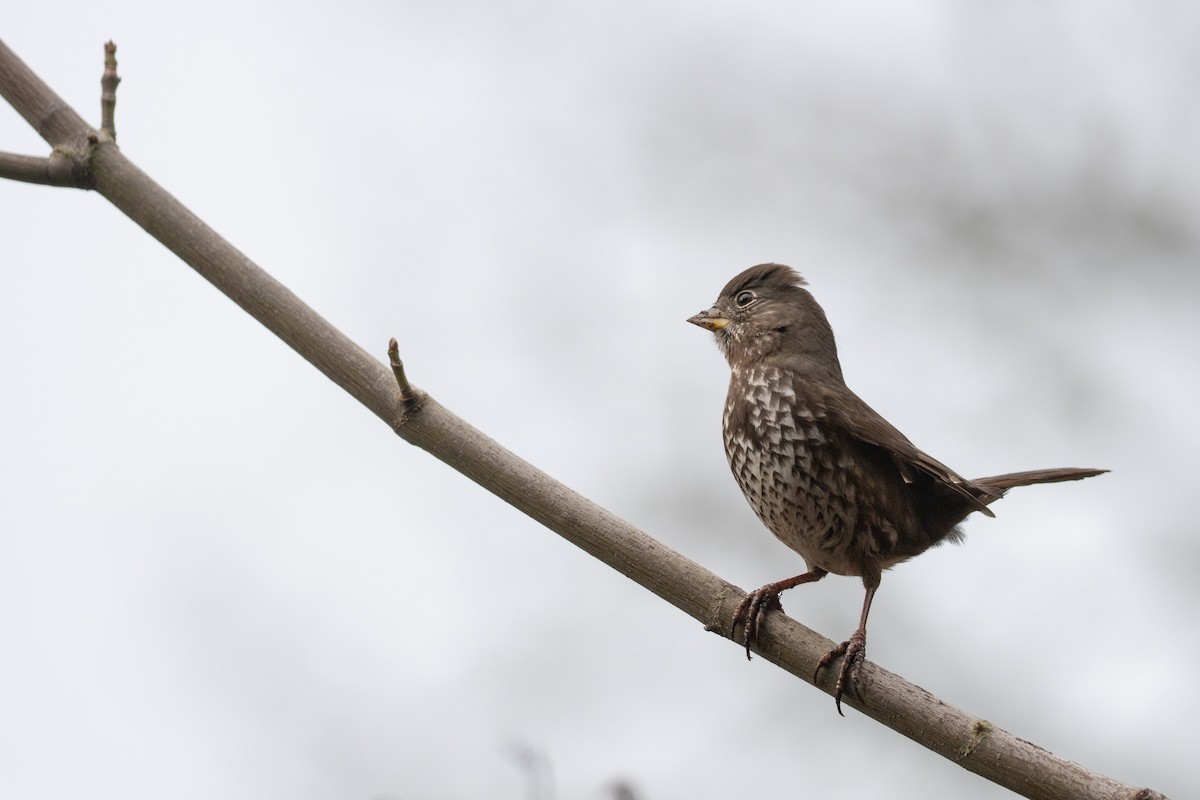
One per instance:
(744,299)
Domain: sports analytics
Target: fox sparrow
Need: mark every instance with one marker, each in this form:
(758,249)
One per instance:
(831,478)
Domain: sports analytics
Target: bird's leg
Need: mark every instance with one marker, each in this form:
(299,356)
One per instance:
(755,605)
(852,652)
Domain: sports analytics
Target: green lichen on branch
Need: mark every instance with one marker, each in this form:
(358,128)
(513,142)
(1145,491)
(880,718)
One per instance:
(980,731)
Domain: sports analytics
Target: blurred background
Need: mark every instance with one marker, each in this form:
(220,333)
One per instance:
(221,577)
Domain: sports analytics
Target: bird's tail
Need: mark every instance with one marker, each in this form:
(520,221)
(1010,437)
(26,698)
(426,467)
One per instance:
(997,485)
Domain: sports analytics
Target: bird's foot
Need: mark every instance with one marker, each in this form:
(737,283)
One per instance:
(853,653)
(753,612)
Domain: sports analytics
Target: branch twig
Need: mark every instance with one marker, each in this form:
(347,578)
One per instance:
(108,91)
(968,741)
(407,395)
(57,170)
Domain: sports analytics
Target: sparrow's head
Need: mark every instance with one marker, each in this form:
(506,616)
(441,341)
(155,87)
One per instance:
(765,314)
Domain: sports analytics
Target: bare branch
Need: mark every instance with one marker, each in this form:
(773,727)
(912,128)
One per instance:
(108,91)
(56,122)
(53,119)
(968,741)
(407,395)
(57,170)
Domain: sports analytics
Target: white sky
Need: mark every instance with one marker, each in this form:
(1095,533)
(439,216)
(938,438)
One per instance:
(222,578)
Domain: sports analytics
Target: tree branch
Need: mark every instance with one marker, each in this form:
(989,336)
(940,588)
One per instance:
(972,743)
(108,91)
(57,170)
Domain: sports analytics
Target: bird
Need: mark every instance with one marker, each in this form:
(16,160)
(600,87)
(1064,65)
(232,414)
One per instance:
(827,475)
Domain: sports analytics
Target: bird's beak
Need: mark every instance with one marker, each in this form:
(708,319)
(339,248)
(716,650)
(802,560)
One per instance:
(709,320)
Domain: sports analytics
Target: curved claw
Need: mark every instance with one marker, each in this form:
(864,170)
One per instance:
(829,658)
(853,653)
(753,612)
(754,606)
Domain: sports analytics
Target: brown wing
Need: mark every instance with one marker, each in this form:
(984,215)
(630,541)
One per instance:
(847,410)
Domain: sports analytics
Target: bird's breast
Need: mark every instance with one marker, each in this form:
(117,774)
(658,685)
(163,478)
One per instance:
(796,477)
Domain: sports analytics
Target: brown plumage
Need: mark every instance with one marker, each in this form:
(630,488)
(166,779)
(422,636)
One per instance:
(827,475)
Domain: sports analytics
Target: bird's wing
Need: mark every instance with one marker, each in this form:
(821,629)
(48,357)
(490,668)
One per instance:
(848,411)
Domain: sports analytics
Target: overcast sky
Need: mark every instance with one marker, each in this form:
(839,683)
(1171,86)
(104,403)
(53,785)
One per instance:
(221,577)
